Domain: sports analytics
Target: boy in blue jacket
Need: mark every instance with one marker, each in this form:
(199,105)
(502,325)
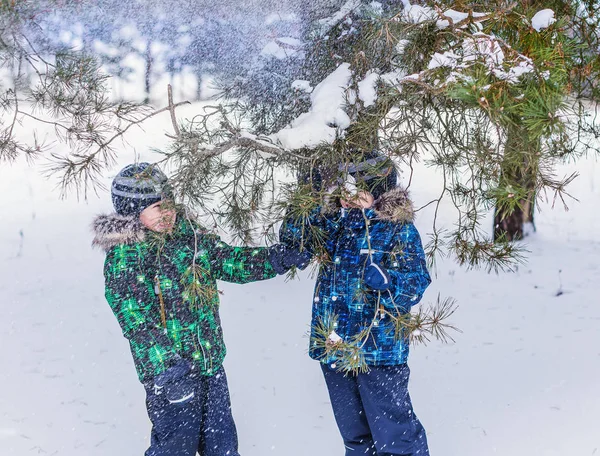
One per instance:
(373,270)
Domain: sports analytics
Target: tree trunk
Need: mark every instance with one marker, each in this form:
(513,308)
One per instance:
(148,71)
(199,87)
(520,167)
(519,171)
(515,225)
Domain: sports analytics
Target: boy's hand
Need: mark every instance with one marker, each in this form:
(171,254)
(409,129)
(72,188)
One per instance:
(283,258)
(377,277)
(176,383)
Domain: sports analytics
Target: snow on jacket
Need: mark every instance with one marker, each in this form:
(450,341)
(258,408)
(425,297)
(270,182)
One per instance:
(383,234)
(149,279)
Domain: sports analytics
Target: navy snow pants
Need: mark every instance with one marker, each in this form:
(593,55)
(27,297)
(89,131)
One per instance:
(374,413)
(203,425)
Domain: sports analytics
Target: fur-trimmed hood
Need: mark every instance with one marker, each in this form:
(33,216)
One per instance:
(114,229)
(395,206)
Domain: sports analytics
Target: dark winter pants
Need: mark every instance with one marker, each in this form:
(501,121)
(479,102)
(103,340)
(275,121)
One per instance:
(203,425)
(374,412)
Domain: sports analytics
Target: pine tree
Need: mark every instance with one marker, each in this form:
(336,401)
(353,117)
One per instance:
(492,100)
(491,93)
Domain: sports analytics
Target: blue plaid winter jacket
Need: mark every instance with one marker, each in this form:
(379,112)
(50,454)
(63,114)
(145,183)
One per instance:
(339,291)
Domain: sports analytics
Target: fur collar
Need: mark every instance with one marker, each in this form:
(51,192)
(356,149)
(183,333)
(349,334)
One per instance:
(114,229)
(395,206)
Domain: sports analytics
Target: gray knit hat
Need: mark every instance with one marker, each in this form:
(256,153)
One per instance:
(373,171)
(138,186)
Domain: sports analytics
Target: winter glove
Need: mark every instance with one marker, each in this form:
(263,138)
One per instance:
(377,277)
(283,258)
(176,383)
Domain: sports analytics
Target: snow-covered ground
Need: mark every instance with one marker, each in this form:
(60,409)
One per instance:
(521,379)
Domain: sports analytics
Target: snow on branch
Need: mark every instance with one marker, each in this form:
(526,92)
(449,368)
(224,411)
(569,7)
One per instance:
(417,14)
(543,19)
(501,61)
(367,89)
(284,48)
(325,117)
(348,8)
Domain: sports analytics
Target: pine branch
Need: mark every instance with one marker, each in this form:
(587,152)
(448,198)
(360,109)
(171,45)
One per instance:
(415,328)
(236,138)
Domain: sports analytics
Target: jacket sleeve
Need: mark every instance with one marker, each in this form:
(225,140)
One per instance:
(239,264)
(313,233)
(129,294)
(407,267)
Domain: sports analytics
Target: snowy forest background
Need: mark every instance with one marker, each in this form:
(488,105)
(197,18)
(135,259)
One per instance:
(519,379)
(144,45)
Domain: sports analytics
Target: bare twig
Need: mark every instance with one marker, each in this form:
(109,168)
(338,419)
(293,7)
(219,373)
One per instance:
(172,111)
(120,133)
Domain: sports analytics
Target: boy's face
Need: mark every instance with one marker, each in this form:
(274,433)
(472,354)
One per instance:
(158,218)
(362,200)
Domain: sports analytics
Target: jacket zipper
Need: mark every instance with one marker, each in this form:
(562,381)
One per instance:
(158,291)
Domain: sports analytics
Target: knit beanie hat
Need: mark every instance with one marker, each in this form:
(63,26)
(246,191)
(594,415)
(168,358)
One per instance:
(373,171)
(138,186)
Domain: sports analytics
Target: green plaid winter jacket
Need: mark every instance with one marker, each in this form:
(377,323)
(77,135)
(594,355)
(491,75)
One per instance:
(163,290)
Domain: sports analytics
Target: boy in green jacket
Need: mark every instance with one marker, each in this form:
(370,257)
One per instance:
(161,270)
